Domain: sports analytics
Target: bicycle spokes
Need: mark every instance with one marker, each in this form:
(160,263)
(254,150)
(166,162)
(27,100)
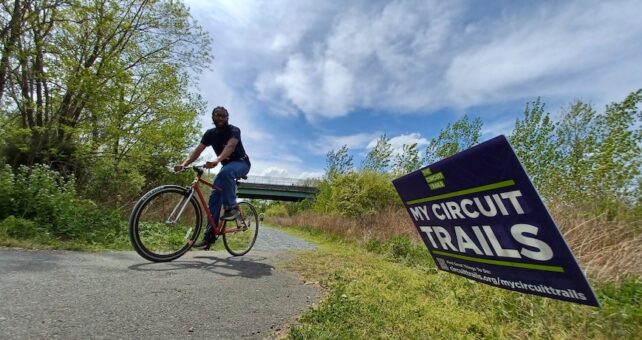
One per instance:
(239,235)
(166,224)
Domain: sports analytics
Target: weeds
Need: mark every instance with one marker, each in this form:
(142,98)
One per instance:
(374,291)
(609,250)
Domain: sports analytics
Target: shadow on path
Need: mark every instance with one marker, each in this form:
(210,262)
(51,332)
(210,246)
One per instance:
(246,266)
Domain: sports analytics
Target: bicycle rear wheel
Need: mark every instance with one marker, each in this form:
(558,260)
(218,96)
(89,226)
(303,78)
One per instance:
(165,223)
(239,235)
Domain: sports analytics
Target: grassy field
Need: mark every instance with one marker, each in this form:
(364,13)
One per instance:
(392,290)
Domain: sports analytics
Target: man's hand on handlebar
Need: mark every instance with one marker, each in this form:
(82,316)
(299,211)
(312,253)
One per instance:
(178,168)
(211,164)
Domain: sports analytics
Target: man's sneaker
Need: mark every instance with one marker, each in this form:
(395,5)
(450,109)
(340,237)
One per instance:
(207,240)
(231,214)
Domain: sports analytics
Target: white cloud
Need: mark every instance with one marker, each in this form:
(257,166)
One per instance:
(372,56)
(328,143)
(274,172)
(547,53)
(277,172)
(496,128)
(398,142)
(312,174)
(329,81)
(326,59)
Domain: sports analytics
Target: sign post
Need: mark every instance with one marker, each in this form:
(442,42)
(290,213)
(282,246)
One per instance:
(480,217)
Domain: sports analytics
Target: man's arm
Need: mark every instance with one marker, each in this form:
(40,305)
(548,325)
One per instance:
(192,157)
(227,151)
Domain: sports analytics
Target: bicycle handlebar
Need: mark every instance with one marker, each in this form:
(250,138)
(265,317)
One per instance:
(197,168)
(200,169)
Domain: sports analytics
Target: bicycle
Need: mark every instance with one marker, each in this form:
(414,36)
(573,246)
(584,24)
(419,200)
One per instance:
(167,220)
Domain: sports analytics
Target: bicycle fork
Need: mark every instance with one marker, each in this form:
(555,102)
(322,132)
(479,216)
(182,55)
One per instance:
(179,208)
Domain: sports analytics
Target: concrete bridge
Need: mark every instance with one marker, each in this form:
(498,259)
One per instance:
(278,189)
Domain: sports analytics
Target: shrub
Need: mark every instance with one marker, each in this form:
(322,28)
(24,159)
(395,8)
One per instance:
(6,191)
(276,210)
(20,228)
(114,186)
(40,194)
(38,201)
(356,194)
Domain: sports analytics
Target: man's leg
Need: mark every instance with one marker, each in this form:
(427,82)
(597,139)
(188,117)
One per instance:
(226,179)
(215,202)
(215,209)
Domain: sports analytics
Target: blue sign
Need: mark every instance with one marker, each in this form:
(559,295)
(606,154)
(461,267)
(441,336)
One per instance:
(481,218)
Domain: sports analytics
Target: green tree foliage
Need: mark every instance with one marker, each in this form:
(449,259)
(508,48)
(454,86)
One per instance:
(406,161)
(533,139)
(39,202)
(456,137)
(356,194)
(98,79)
(277,210)
(378,158)
(588,160)
(601,152)
(618,157)
(338,162)
(577,134)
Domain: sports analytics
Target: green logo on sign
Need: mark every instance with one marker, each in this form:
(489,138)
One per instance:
(434,181)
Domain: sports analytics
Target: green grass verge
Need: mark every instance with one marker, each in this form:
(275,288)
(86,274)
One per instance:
(22,233)
(393,290)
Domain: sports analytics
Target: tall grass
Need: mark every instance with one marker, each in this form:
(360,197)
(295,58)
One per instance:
(608,250)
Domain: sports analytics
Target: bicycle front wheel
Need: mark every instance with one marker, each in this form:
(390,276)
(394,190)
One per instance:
(165,223)
(239,235)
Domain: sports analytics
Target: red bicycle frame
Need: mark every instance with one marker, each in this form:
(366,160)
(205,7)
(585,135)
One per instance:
(217,227)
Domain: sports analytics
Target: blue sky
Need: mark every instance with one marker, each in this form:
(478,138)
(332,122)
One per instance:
(301,78)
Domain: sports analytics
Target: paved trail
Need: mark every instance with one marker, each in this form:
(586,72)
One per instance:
(119,295)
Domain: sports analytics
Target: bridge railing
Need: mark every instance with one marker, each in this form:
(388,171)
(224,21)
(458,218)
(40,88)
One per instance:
(279,181)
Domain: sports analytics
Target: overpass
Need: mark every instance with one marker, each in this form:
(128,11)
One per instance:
(278,189)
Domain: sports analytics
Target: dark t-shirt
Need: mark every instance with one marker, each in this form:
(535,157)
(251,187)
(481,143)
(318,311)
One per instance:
(217,139)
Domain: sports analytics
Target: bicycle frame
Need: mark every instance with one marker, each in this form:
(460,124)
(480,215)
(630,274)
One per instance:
(178,210)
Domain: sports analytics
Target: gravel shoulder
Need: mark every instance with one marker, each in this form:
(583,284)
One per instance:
(211,295)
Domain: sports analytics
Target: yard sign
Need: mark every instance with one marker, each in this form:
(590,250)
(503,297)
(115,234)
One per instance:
(480,217)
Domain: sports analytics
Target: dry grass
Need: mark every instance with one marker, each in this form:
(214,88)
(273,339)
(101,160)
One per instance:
(381,226)
(607,250)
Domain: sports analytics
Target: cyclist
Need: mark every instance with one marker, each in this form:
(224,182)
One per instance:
(225,139)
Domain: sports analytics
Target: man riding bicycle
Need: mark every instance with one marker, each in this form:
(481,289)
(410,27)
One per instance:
(225,139)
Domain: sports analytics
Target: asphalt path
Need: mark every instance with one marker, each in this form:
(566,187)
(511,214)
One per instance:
(119,295)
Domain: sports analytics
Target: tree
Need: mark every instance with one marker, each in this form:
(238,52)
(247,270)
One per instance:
(456,137)
(600,153)
(577,136)
(378,157)
(89,77)
(338,162)
(534,142)
(407,161)
(618,154)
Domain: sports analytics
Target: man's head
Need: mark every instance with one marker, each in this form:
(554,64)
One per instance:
(220,117)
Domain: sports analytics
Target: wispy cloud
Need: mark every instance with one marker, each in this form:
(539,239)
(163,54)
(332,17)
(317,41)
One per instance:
(496,128)
(555,50)
(398,142)
(369,57)
(323,144)
(326,59)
